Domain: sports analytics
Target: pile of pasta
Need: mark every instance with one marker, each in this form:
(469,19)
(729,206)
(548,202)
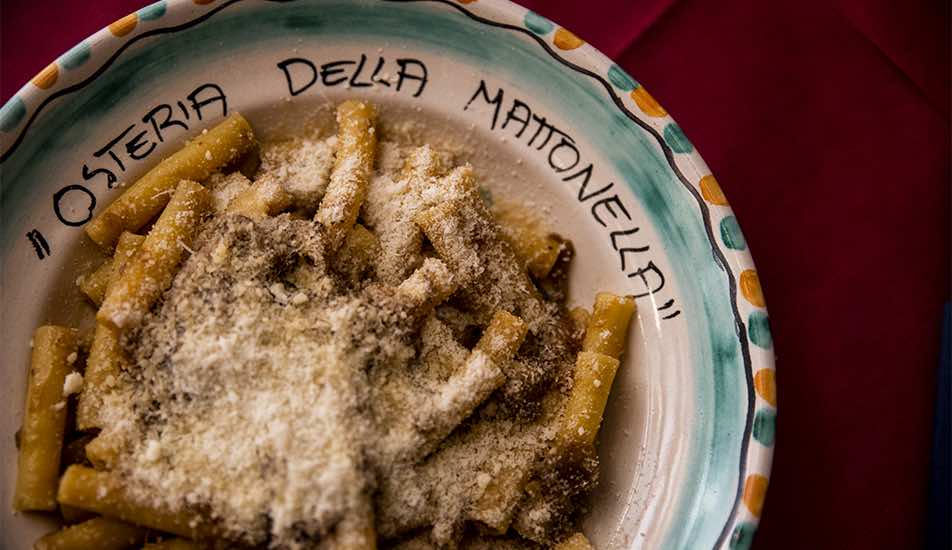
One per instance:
(495,448)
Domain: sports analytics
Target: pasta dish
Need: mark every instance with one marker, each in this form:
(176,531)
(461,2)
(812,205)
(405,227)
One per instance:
(334,343)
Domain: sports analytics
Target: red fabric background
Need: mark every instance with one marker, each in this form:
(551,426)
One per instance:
(827,125)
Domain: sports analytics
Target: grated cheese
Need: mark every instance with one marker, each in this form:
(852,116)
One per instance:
(278,397)
(73,382)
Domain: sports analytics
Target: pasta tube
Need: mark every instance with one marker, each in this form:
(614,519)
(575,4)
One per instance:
(608,327)
(502,338)
(152,269)
(496,505)
(103,493)
(593,378)
(347,189)
(427,287)
(44,421)
(98,533)
(401,238)
(104,354)
(104,360)
(535,249)
(103,451)
(479,377)
(423,163)
(95,282)
(264,198)
(139,204)
(595,370)
(444,225)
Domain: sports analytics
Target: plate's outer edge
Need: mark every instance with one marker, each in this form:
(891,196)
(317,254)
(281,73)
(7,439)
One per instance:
(89,58)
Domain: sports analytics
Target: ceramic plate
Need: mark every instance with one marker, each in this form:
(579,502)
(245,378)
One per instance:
(543,116)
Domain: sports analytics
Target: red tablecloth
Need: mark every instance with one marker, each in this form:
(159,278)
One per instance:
(827,124)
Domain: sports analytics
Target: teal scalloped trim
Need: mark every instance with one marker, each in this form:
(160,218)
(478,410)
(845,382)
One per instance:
(674,135)
(731,234)
(537,24)
(743,536)
(620,79)
(765,427)
(75,58)
(152,11)
(758,328)
(11,114)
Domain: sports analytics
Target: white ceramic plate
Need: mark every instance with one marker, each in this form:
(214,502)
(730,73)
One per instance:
(547,119)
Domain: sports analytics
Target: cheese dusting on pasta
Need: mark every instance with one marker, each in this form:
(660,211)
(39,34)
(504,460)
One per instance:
(285,383)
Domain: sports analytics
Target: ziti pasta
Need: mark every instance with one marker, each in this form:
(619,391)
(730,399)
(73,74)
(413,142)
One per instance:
(339,347)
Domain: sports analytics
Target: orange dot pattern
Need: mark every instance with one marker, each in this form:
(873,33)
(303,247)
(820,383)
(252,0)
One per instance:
(750,288)
(647,103)
(711,191)
(124,26)
(755,491)
(565,40)
(47,77)
(765,383)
